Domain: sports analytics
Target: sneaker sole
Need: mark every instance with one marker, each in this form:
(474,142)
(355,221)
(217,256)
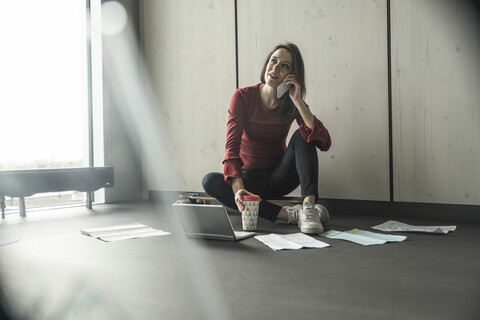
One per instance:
(311,230)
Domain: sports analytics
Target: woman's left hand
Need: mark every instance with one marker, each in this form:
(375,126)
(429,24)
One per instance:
(295,91)
(239,198)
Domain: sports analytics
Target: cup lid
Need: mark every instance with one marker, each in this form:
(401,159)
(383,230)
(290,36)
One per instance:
(251,198)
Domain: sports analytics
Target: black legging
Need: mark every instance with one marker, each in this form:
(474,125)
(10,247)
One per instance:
(298,166)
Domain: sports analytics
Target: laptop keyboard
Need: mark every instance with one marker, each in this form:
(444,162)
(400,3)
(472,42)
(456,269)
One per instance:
(242,233)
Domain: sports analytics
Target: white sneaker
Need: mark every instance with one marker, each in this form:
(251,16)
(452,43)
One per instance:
(324,215)
(309,219)
(293,212)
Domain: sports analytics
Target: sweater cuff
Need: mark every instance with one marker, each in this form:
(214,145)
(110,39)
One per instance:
(232,168)
(318,135)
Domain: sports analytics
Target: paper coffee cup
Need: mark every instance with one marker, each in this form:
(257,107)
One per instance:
(250,212)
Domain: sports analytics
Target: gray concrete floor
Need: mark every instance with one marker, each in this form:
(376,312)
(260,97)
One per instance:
(54,272)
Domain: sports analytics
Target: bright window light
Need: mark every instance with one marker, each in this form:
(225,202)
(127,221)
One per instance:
(43,105)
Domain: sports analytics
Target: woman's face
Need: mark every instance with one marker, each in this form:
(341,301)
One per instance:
(278,67)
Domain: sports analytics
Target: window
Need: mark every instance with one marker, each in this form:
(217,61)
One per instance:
(43,105)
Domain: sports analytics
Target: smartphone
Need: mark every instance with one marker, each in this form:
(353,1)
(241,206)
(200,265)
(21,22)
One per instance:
(282,89)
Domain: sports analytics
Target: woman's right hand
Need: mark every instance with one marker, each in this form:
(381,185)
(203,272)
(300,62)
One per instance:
(239,198)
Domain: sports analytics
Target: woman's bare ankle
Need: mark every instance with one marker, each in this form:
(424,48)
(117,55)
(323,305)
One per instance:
(283,214)
(309,199)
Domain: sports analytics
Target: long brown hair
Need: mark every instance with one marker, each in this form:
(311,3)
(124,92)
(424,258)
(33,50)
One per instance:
(286,108)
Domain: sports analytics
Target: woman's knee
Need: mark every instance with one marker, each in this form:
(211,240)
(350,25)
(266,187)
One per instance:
(207,180)
(210,179)
(298,140)
(297,134)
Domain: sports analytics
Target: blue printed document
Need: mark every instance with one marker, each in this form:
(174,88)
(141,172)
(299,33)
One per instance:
(362,237)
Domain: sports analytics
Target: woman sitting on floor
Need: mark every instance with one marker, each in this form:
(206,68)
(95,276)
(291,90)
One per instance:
(257,160)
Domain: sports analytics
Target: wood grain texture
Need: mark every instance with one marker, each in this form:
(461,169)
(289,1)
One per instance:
(190,56)
(436,101)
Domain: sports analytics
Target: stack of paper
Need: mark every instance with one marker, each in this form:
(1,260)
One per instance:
(365,238)
(398,226)
(123,232)
(290,241)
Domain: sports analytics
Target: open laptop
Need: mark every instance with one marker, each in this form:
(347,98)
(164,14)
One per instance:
(207,221)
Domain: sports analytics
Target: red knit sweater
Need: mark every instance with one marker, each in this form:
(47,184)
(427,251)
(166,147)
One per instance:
(256,137)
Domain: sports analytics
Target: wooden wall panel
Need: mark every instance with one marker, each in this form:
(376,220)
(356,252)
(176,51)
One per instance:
(344,46)
(436,101)
(190,58)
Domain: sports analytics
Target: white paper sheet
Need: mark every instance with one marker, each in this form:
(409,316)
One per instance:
(362,237)
(123,232)
(292,241)
(392,225)
(105,231)
(143,234)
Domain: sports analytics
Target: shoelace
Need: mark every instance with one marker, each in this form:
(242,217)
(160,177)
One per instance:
(309,215)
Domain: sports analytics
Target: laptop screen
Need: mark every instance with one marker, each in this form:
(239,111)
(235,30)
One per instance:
(207,221)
